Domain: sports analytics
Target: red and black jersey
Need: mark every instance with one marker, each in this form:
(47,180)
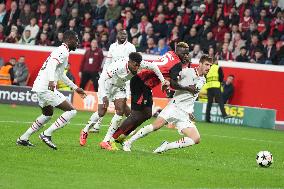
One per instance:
(169,64)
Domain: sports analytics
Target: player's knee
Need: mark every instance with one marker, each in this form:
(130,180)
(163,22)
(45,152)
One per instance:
(101,113)
(127,111)
(148,115)
(48,113)
(197,139)
(119,111)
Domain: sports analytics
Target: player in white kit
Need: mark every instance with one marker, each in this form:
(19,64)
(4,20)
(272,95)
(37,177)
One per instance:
(120,49)
(112,87)
(179,109)
(48,97)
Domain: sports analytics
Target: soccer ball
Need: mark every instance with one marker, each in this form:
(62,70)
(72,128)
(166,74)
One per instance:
(264,158)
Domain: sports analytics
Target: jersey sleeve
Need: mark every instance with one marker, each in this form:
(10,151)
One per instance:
(51,67)
(175,70)
(52,62)
(154,68)
(132,48)
(115,69)
(109,56)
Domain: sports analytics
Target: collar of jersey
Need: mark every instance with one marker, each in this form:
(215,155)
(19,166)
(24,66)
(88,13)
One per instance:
(122,43)
(65,46)
(196,72)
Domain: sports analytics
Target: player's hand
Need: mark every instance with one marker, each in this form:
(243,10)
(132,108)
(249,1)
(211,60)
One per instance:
(105,102)
(81,92)
(51,85)
(165,86)
(192,89)
(191,117)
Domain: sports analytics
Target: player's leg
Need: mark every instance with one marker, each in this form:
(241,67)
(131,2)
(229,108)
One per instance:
(69,113)
(157,124)
(94,119)
(192,137)
(119,105)
(127,110)
(210,95)
(57,99)
(97,118)
(141,107)
(134,120)
(46,115)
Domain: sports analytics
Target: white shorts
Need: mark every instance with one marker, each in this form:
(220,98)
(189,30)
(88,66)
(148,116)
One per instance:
(128,92)
(114,93)
(180,118)
(51,98)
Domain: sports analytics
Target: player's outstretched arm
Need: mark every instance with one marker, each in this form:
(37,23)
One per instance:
(73,86)
(154,68)
(81,92)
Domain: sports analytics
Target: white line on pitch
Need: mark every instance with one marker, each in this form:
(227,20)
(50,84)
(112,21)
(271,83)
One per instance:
(220,136)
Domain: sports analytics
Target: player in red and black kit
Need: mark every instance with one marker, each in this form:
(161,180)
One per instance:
(142,84)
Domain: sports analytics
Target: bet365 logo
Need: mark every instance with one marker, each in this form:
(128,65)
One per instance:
(235,111)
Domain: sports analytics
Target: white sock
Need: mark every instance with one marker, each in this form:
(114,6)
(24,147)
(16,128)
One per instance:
(37,124)
(93,120)
(181,143)
(60,122)
(97,126)
(113,127)
(141,133)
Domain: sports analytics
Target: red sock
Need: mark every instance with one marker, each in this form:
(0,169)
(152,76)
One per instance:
(117,133)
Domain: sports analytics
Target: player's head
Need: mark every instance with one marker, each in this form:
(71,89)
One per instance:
(205,64)
(134,62)
(70,38)
(121,36)
(182,50)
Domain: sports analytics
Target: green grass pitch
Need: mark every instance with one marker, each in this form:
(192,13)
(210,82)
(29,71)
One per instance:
(225,158)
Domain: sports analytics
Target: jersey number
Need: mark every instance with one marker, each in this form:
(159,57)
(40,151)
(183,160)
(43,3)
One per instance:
(165,59)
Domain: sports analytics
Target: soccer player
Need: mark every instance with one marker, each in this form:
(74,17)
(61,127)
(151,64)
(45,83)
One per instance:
(142,84)
(48,97)
(112,87)
(120,49)
(178,109)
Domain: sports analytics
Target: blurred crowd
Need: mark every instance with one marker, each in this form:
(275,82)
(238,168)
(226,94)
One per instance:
(231,30)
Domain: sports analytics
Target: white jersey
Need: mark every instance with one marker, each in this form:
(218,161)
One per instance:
(117,51)
(53,70)
(184,99)
(117,74)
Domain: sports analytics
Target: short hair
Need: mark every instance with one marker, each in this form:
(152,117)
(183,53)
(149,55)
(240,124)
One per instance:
(231,75)
(204,58)
(182,45)
(136,57)
(69,34)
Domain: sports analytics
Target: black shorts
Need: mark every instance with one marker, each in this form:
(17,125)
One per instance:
(141,94)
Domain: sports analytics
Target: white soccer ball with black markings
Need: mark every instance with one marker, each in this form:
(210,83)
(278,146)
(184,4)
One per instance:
(264,158)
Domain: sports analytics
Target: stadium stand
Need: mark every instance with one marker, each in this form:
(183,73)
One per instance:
(257,21)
